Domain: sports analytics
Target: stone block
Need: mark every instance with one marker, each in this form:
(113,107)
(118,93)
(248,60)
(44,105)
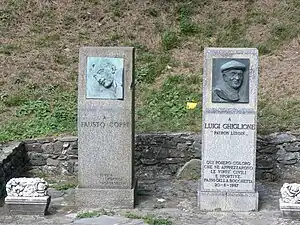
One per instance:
(27,196)
(279,138)
(37,159)
(229,129)
(288,158)
(58,147)
(292,147)
(106,198)
(190,170)
(68,139)
(228,201)
(27,205)
(289,210)
(47,148)
(52,162)
(34,147)
(105,125)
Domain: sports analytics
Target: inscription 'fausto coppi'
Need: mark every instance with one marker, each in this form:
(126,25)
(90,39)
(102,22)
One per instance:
(103,124)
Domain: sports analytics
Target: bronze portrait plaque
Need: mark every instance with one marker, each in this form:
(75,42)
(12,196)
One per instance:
(230,80)
(104,78)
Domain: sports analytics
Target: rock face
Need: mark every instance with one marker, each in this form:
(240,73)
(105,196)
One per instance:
(190,170)
(26,187)
(13,162)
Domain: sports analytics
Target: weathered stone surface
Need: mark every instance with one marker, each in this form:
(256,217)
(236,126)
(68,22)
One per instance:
(292,147)
(13,162)
(105,127)
(229,131)
(26,187)
(52,162)
(58,147)
(34,147)
(182,147)
(68,139)
(279,138)
(37,159)
(290,193)
(190,171)
(48,148)
(289,158)
(72,149)
(27,205)
(160,166)
(265,162)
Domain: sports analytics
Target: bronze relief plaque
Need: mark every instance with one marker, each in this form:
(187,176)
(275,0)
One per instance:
(230,80)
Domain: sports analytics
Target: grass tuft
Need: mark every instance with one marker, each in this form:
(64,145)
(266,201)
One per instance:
(169,40)
(96,213)
(150,219)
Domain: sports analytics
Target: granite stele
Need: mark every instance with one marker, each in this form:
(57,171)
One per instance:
(230,80)
(105,127)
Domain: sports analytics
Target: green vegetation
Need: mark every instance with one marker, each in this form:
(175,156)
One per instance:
(170,40)
(151,67)
(96,213)
(39,59)
(150,219)
(167,105)
(64,186)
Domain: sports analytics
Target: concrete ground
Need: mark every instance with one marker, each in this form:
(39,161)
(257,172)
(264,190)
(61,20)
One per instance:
(169,199)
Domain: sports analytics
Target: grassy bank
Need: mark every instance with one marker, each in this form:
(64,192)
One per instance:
(39,58)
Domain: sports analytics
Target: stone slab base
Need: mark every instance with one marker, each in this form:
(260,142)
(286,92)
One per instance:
(105,198)
(27,205)
(228,201)
(288,210)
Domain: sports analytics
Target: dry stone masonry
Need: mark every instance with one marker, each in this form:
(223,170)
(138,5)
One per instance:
(13,162)
(157,155)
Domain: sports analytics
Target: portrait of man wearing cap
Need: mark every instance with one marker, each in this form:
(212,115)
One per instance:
(229,81)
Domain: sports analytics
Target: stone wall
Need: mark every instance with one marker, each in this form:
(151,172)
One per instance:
(53,155)
(13,162)
(157,155)
(160,155)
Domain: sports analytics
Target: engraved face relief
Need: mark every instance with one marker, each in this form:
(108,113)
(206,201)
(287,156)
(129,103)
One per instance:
(105,75)
(228,82)
(234,78)
(105,78)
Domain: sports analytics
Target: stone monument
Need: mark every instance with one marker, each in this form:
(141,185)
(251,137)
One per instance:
(230,80)
(27,196)
(290,200)
(105,127)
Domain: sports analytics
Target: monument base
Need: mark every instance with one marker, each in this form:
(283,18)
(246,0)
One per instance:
(228,201)
(105,198)
(27,205)
(289,210)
